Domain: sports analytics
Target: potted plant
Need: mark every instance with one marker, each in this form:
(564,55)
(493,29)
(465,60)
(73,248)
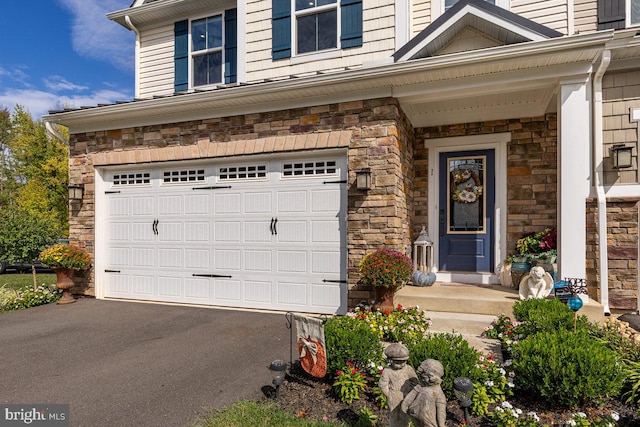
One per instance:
(63,260)
(538,247)
(386,270)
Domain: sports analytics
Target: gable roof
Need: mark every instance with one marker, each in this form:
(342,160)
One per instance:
(495,22)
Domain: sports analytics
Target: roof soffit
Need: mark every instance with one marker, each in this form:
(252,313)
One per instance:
(150,12)
(492,21)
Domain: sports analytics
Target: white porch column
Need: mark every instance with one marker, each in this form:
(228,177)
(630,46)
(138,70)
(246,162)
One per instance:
(574,161)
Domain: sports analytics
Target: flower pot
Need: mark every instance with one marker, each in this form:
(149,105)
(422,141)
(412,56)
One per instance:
(64,282)
(384,298)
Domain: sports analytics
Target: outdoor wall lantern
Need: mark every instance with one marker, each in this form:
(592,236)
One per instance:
(363,179)
(75,192)
(463,389)
(278,370)
(622,156)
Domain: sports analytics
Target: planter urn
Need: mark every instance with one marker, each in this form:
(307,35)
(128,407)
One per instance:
(64,281)
(384,298)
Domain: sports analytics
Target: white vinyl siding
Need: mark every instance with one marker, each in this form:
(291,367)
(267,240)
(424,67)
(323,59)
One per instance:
(156,61)
(586,16)
(551,13)
(378,43)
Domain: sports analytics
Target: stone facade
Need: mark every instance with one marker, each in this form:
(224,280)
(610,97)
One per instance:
(375,134)
(622,242)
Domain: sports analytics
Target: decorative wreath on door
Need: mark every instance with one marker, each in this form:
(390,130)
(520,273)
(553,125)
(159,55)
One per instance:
(472,189)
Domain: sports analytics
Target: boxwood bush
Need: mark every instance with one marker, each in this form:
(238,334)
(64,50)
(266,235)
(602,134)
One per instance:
(540,315)
(567,368)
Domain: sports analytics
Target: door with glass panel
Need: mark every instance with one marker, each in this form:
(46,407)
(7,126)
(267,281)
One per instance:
(467,211)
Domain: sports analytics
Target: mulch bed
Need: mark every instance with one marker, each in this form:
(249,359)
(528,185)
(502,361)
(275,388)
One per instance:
(313,398)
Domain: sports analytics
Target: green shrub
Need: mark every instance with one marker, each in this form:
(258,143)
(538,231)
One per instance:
(403,324)
(349,383)
(567,368)
(545,315)
(457,357)
(350,340)
(27,297)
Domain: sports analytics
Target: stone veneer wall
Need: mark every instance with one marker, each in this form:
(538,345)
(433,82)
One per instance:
(622,249)
(375,133)
(532,202)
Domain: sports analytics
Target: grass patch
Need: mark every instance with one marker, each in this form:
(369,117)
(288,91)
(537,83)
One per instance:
(248,413)
(19,281)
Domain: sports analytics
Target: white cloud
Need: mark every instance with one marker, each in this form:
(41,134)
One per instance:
(17,74)
(59,83)
(39,102)
(96,37)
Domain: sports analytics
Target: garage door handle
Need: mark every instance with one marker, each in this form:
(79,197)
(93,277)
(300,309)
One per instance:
(154,227)
(112,271)
(333,281)
(275,226)
(271,227)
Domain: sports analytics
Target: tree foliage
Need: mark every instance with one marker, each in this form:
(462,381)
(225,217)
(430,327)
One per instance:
(33,170)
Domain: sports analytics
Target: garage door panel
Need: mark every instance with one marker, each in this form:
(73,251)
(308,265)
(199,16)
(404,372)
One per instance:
(227,259)
(119,207)
(143,257)
(170,205)
(292,231)
(195,288)
(119,256)
(227,289)
(228,203)
(292,261)
(196,232)
(292,201)
(325,295)
(258,291)
(292,293)
(170,258)
(119,286)
(142,206)
(170,231)
(258,202)
(119,231)
(257,260)
(169,286)
(325,200)
(142,231)
(227,231)
(325,262)
(198,259)
(257,231)
(142,286)
(197,204)
(325,231)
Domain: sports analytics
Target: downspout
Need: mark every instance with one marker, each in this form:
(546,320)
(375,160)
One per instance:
(53,132)
(137,55)
(598,158)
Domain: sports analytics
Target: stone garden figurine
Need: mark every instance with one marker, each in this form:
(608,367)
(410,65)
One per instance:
(537,284)
(426,404)
(396,382)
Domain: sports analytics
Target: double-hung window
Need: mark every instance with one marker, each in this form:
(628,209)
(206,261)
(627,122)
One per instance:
(316,25)
(307,26)
(206,50)
(634,12)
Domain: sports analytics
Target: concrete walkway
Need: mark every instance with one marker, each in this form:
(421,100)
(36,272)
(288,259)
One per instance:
(135,364)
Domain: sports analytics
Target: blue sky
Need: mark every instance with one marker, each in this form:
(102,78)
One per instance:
(56,53)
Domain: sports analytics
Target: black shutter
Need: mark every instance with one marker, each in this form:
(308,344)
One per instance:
(230,45)
(611,14)
(181,56)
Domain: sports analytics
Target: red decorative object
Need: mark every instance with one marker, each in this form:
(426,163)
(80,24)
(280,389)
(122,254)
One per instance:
(64,282)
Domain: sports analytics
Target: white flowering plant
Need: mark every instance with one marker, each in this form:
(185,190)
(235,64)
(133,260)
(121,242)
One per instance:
(404,324)
(27,297)
(506,415)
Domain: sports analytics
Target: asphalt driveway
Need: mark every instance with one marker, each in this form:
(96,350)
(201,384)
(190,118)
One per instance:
(134,364)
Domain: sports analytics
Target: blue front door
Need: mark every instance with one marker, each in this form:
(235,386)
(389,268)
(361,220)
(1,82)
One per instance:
(466,211)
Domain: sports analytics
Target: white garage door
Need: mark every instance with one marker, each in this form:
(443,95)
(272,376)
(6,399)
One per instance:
(268,234)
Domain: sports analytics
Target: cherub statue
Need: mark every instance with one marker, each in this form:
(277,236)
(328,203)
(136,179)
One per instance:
(426,404)
(396,382)
(537,284)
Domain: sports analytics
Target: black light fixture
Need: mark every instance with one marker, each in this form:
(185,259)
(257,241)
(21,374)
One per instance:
(463,389)
(622,156)
(75,192)
(278,370)
(363,179)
